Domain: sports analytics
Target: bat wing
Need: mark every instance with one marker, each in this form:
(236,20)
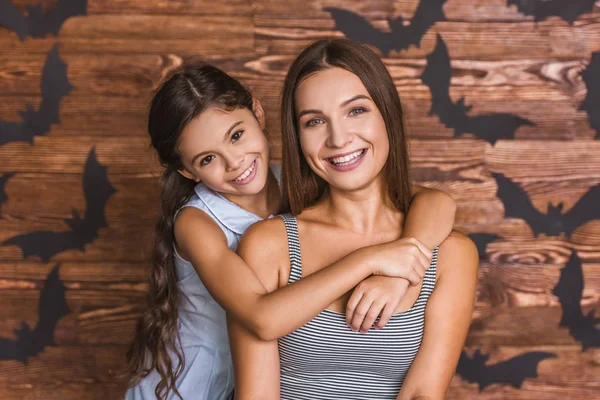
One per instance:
(491,127)
(515,370)
(52,307)
(97,190)
(425,16)
(11,18)
(3,179)
(55,86)
(42,24)
(357,28)
(518,205)
(9,350)
(436,76)
(586,209)
(569,13)
(469,368)
(569,290)
(482,240)
(45,244)
(542,9)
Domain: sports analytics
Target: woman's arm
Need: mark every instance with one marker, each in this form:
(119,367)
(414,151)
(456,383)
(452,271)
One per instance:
(271,315)
(430,219)
(447,318)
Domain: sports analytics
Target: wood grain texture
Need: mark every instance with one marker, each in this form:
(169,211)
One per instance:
(502,62)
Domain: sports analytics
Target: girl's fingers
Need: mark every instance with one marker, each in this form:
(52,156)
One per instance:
(353,302)
(385,316)
(360,312)
(428,253)
(374,311)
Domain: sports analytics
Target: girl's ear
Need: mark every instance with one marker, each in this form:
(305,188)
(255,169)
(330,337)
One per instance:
(258,112)
(187,174)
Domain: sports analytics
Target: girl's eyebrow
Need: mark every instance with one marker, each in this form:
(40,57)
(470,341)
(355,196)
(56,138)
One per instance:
(224,139)
(344,103)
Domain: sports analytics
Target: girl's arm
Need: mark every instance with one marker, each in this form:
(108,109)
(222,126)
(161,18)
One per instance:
(271,315)
(430,219)
(447,318)
(255,361)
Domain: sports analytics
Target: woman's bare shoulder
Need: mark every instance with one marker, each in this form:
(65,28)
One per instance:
(457,254)
(264,248)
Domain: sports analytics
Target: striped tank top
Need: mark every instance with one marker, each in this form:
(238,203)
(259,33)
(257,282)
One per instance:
(325,359)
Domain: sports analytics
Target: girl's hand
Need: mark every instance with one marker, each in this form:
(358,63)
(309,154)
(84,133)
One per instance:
(373,297)
(403,258)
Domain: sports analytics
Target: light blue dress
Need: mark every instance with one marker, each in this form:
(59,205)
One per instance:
(208,370)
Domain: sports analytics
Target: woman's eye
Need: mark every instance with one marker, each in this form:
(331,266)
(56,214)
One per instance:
(314,122)
(206,160)
(237,135)
(356,111)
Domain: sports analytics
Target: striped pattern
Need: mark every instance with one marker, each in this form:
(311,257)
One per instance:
(324,359)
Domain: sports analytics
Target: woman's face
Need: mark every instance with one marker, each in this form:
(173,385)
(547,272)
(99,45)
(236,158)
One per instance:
(342,133)
(226,150)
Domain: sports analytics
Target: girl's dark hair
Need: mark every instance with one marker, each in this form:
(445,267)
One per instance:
(301,187)
(187,92)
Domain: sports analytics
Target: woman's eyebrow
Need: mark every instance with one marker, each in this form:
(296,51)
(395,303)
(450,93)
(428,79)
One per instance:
(344,103)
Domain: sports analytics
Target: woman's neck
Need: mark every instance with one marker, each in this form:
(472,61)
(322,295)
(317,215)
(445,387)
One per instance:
(363,211)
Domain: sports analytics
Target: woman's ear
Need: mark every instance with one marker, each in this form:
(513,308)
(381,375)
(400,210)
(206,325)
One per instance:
(258,112)
(187,174)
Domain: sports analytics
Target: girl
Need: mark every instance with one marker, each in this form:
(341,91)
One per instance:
(345,186)
(208,133)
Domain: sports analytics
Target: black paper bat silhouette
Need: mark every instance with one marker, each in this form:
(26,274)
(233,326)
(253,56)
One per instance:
(512,371)
(3,179)
(30,342)
(55,86)
(568,10)
(490,127)
(591,103)
(482,240)
(97,190)
(518,205)
(357,28)
(37,24)
(569,291)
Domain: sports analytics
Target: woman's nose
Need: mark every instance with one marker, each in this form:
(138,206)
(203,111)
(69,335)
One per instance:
(339,135)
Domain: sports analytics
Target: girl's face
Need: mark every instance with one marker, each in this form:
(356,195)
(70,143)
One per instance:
(226,150)
(342,133)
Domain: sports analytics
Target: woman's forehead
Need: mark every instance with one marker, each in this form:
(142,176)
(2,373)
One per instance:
(330,86)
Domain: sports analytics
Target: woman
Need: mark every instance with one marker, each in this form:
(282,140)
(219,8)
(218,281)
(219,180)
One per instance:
(208,132)
(345,186)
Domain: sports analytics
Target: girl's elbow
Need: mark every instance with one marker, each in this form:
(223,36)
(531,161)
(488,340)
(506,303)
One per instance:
(264,328)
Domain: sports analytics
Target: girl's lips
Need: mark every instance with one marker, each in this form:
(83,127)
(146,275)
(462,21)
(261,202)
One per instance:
(250,177)
(350,165)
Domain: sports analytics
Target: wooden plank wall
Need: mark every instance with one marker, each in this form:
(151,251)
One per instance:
(502,61)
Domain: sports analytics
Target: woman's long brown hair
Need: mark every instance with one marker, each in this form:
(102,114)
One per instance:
(301,187)
(181,98)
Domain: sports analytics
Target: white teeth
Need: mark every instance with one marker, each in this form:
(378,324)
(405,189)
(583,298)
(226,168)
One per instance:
(346,159)
(245,174)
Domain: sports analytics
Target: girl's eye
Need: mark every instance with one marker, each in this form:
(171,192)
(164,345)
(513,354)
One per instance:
(314,122)
(356,111)
(206,160)
(237,135)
